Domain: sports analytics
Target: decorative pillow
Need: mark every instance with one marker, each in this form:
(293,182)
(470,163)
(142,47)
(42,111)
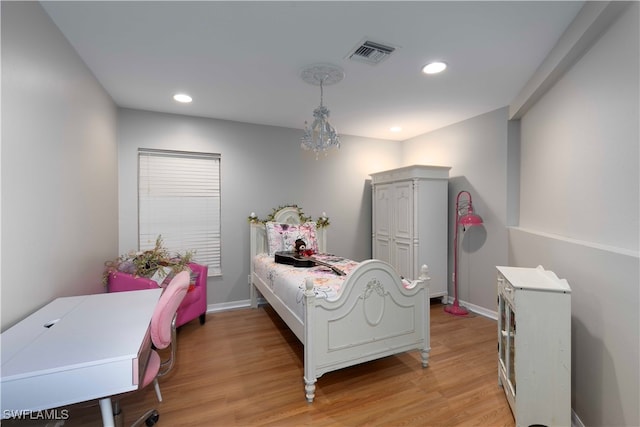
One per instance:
(306,232)
(274,237)
(282,237)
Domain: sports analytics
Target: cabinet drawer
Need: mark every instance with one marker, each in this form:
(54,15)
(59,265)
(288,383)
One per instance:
(506,289)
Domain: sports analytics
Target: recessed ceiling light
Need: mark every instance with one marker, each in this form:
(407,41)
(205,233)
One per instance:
(181,97)
(395,129)
(434,68)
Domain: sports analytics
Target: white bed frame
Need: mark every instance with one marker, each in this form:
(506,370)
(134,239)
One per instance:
(375,316)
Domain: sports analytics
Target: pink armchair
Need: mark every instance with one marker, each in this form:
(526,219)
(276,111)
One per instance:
(194,303)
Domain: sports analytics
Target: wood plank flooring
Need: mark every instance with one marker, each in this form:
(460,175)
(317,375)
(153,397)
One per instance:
(245,368)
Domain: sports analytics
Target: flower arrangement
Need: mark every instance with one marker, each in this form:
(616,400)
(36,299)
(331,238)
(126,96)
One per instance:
(152,262)
(322,221)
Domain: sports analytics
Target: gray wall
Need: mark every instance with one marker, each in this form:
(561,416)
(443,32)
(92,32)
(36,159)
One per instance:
(59,168)
(560,188)
(579,216)
(262,168)
(476,150)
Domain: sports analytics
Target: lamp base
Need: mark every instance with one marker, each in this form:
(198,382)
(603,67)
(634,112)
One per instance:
(456,309)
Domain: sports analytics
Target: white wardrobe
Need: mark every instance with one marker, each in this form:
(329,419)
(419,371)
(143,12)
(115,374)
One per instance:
(410,218)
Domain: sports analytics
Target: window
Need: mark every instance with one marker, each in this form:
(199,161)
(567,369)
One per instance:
(179,199)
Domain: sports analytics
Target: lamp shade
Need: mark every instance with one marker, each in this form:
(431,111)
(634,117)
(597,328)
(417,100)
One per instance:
(469,220)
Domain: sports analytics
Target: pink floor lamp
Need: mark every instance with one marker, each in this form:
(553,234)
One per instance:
(465,218)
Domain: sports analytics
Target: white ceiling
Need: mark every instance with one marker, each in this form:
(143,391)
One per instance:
(241,60)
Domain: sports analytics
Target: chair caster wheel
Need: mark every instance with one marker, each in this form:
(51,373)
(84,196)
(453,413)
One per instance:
(153,418)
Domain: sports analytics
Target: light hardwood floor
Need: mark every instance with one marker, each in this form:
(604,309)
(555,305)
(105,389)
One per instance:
(244,368)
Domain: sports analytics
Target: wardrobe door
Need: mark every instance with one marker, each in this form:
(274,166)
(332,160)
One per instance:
(382,213)
(402,233)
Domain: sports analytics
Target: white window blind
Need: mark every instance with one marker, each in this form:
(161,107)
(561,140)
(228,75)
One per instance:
(179,199)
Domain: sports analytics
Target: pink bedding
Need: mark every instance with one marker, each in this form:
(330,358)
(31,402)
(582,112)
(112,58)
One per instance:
(288,282)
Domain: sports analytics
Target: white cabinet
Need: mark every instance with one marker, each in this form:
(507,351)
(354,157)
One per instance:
(534,345)
(410,222)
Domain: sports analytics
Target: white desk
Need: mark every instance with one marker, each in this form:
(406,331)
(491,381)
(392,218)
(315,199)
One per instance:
(76,349)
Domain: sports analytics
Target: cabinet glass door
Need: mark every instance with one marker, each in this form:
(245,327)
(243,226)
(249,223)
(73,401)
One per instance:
(507,348)
(511,345)
(502,335)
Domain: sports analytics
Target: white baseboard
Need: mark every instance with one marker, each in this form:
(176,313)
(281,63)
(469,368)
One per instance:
(215,308)
(477,309)
(575,420)
(226,306)
(234,305)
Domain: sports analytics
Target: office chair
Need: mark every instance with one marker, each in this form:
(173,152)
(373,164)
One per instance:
(163,334)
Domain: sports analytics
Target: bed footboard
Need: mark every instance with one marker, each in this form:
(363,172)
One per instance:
(376,316)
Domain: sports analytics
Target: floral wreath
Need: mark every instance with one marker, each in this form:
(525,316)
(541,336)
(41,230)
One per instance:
(321,222)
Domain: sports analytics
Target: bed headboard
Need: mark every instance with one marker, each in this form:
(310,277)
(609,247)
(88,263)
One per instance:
(287,215)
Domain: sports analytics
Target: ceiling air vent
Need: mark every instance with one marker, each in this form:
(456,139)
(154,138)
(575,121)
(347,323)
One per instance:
(370,52)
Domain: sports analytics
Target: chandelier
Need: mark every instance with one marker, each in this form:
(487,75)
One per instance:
(320,136)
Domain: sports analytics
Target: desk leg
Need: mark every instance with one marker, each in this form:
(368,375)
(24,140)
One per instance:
(107,412)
